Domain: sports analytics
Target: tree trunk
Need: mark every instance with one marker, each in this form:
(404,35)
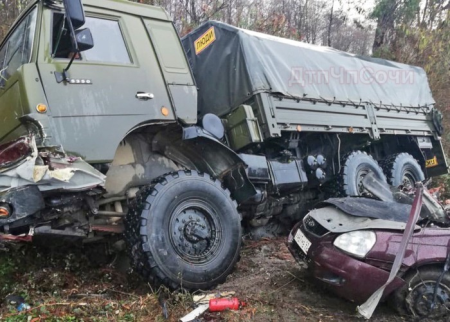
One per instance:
(330,24)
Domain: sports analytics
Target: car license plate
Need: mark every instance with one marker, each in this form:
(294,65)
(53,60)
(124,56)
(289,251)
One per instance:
(302,241)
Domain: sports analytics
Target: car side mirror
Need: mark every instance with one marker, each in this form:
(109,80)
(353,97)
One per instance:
(84,39)
(75,13)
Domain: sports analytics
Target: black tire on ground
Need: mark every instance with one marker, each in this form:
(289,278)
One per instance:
(184,231)
(402,169)
(416,295)
(356,165)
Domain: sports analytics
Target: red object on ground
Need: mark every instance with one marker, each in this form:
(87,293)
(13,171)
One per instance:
(26,238)
(218,305)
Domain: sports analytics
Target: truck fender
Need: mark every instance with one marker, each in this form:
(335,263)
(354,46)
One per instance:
(196,149)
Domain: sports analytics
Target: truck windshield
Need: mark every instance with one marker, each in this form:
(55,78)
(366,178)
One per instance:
(16,50)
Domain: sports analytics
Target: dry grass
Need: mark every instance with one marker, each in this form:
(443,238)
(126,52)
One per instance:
(61,284)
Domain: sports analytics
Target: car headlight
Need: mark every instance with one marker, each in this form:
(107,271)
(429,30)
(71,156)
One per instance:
(356,243)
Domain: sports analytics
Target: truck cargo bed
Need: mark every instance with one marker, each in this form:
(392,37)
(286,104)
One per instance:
(293,86)
(278,113)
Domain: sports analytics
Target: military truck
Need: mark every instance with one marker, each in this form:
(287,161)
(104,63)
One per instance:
(106,133)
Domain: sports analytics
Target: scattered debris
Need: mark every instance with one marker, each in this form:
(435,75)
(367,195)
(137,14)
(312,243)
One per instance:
(162,300)
(273,229)
(204,299)
(18,302)
(196,313)
(11,238)
(54,281)
(219,305)
(215,302)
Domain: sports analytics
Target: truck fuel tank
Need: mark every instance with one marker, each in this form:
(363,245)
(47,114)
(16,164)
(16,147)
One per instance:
(284,176)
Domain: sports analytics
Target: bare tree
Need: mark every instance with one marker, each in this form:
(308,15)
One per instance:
(312,21)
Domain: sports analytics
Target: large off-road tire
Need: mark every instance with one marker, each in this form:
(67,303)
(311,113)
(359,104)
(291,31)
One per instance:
(356,165)
(416,295)
(402,169)
(184,231)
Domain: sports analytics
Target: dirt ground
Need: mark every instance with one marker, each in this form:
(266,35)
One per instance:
(61,284)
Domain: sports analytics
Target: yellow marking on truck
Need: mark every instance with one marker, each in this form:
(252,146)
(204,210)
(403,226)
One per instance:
(205,40)
(431,163)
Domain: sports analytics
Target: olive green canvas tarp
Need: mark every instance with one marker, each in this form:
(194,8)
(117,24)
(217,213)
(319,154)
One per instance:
(231,64)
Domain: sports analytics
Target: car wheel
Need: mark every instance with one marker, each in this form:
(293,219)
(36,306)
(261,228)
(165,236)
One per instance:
(355,167)
(402,170)
(184,231)
(417,294)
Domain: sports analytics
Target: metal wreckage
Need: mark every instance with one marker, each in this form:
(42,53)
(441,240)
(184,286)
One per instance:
(115,129)
(392,246)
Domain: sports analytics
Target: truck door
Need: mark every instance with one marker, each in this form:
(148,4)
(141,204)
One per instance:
(113,87)
(176,71)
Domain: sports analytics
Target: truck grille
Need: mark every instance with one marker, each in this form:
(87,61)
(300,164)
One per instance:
(312,226)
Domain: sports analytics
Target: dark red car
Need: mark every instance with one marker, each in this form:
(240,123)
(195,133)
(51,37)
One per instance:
(350,245)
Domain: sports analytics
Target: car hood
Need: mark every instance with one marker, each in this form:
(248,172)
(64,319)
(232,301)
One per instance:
(371,208)
(337,221)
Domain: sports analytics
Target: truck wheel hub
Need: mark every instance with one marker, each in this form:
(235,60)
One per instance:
(193,232)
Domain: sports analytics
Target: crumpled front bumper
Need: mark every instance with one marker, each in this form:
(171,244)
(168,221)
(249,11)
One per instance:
(346,276)
(23,202)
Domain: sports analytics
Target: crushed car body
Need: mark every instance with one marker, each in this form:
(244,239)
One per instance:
(350,246)
(21,164)
(27,176)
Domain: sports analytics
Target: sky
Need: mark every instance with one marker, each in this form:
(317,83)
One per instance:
(350,7)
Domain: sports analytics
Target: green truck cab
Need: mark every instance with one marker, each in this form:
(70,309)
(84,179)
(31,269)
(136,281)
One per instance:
(87,123)
(135,77)
(106,135)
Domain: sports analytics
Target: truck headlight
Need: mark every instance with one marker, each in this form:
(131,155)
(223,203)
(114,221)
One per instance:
(356,243)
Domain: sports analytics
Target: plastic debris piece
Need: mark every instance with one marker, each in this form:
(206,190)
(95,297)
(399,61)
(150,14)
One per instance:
(195,314)
(18,302)
(204,298)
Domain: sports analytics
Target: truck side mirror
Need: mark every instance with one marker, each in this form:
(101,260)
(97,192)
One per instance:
(75,13)
(84,39)
(81,39)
